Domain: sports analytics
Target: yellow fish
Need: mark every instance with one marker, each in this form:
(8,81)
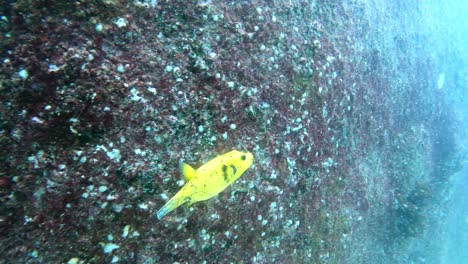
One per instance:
(208,180)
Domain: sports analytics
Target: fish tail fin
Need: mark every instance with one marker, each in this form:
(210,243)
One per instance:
(172,204)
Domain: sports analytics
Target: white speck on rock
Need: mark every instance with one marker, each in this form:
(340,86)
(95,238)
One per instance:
(73,261)
(109,247)
(125,231)
(23,74)
(121,22)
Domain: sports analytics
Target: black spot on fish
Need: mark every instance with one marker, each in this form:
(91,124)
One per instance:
(234,169)
(243,157)
(225,173)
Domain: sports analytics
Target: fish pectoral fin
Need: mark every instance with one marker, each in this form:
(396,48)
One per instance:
(186,170)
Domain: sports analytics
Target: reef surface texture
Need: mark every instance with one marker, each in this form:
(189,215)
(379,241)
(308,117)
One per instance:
(336,101)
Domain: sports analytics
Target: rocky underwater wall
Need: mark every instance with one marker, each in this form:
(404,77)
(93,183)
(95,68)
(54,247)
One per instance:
(337,102)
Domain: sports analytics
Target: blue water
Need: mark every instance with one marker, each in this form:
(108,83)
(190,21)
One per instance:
(456,224)
(447,23)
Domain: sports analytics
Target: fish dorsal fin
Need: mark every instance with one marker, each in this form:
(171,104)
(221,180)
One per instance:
(186,170)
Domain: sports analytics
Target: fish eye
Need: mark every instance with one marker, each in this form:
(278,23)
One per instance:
(243,157)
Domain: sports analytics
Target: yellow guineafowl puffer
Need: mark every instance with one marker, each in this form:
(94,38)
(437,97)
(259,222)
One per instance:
(208,180)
